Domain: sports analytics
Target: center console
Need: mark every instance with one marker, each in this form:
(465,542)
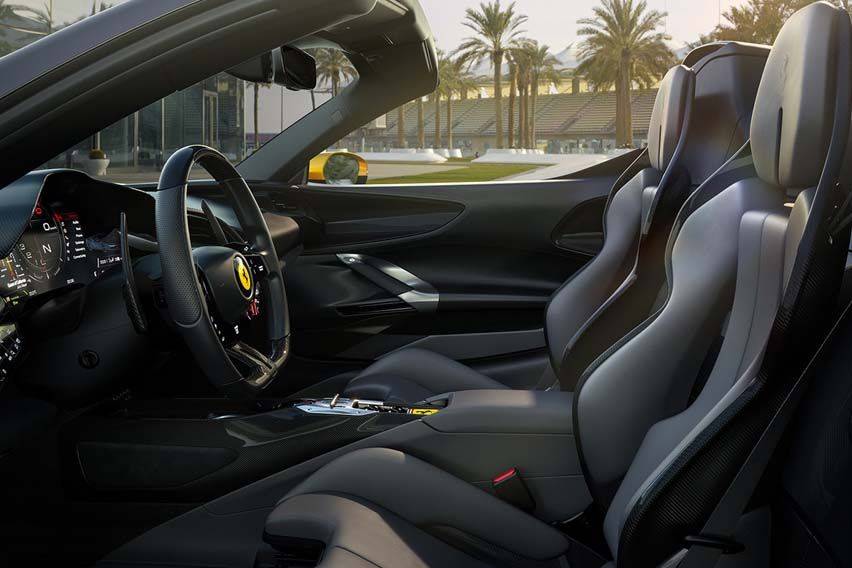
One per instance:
(193,452)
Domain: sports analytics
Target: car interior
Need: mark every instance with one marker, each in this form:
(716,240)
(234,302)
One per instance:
(640,364)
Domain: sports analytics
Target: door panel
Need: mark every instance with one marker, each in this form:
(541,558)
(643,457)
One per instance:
(465,270)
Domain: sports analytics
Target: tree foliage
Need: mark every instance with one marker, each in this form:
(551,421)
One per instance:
(454,79)
(757,21)
(621,47)
(334,68)
(495,30)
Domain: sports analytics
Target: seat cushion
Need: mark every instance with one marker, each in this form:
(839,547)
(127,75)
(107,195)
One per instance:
(412,375)
(357,533)
(393,509)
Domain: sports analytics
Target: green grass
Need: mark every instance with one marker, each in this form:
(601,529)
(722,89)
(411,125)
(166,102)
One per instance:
(472,173)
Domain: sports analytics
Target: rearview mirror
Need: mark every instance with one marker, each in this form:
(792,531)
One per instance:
(297,71)
(287,66)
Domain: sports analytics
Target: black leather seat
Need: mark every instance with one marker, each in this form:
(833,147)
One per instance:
(700,119)
(656,455)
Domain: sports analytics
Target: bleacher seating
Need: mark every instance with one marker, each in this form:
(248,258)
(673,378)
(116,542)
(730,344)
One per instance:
(596,116)
(643,106)
(559,111)
(563,115)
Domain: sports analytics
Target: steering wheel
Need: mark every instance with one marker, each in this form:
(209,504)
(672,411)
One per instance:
(210,290)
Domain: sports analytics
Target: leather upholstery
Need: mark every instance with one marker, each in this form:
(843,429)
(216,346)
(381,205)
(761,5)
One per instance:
(347,504)
(760,280)
(412,375)
(644,378)
(667,119)
(792,121)
(579,298)
(360,534)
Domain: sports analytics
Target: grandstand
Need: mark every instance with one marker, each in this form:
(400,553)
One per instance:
(557,111)
(564,122)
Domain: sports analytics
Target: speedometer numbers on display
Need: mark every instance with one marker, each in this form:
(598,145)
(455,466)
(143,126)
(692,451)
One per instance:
(42,248)
(55,252)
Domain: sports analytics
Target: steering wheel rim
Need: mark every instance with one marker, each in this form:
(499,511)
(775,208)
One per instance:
(192,291)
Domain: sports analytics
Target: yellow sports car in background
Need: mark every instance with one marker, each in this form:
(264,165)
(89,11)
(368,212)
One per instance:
(338,168)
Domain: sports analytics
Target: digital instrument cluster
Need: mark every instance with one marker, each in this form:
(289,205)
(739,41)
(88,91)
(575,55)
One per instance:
(55,251)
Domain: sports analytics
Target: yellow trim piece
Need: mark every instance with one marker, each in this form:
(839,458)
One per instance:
(423,411)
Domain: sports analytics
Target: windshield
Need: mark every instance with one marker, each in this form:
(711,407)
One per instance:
(229,114)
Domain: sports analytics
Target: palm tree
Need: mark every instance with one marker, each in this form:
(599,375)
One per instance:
(545,70)
(421,124)
(622,46)
(444,88)
(400,127)
(333,67)
(513,83)
(455,79)
(7,11)
(496,29)
(513,54)
(257,87)
(436,98)
(43,15)
(521,56)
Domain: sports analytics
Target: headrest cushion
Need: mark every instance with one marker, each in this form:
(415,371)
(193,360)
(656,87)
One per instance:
(794,109)
(664,131)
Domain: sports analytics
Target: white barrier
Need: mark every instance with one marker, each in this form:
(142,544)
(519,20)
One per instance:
(518,156)
(513,156)
(421,155)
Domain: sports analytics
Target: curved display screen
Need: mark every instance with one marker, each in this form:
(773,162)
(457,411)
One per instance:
(54,252)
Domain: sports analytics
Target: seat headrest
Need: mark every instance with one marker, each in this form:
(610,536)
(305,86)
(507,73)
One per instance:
(794,109)
(664,131)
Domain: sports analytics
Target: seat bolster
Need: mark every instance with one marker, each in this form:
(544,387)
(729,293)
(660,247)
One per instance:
(412,375)
(432,500)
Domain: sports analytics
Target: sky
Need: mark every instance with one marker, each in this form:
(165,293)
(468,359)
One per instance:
(552,22)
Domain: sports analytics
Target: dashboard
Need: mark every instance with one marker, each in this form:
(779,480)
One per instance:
(56,250)
(60,279)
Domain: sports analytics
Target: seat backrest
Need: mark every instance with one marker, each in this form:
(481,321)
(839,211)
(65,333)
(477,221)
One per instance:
(580,296)
(682,461)
(726,80)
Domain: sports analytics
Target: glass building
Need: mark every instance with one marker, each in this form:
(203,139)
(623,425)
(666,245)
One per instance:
(211,112)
